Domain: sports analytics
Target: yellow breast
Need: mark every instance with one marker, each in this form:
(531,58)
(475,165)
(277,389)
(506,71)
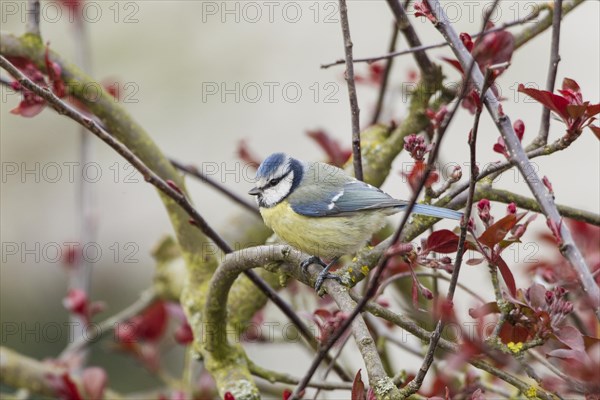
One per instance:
(325,237)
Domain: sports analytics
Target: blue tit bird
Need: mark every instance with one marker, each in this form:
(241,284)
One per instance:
(322,211)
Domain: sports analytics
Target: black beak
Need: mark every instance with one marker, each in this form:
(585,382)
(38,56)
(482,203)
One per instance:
(254,191)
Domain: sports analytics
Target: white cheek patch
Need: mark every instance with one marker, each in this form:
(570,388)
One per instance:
(275,194)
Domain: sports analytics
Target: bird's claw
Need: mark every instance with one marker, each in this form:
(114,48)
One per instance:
(310,261)
(325,275)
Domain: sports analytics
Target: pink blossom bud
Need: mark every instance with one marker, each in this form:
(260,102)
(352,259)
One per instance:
(456,174)
(519,127)
(511,208)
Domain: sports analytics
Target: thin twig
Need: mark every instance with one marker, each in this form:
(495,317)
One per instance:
(392,54)
(484,191)
(411,36)
(403,275)
(542,137)
(275,376)
(349,76)
(144,301)
(168,188)
(196,173)
(517,154)
(32,24)
(386,77)
(499,167)
(531,32)
(330,364)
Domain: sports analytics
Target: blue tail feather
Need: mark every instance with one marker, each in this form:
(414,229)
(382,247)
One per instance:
(438,212)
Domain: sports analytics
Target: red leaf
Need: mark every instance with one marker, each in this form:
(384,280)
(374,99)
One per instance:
(494,48)
(467,41)
(422,10)
(246,155)
(571,337)
(596,130)
(556,103)
(486,309)
(443,241)
(287,393)
(358,388)
(454,63)
(519,127)
(496,232)
(593,109)
(507,275)
(335,153)
(576,110)
(570,84)
(474,261)
(499,148)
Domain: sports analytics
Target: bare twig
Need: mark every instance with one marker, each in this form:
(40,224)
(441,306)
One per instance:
(144,301)
(386,75)
(529,33)
(519,157)
(499,167)
(392,54)
(411,36)
(542,137)
(403,275)
(504,196)
(196,173)
(32,24)
(276,376)
(349,76)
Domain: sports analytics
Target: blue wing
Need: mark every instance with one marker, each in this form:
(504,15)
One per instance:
(351,197)
(357,196)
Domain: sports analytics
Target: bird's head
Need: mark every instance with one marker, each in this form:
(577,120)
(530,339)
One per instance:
(276,178)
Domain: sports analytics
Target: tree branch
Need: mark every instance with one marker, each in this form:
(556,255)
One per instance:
(289,259)
(276,376)
(196,173)
(519,157)
(425,64)
(349,76)
(542,137)
(533,31)
(527,203)
(393,54)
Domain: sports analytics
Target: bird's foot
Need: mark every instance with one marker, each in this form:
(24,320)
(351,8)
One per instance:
(310,261)
(324,274)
